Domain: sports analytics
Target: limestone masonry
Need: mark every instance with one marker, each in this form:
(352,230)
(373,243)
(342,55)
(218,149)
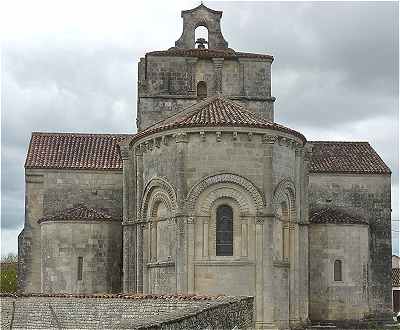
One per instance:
(211,197)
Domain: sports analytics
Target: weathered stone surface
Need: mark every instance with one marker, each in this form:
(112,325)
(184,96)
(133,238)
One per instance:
(369,196)
(126,313)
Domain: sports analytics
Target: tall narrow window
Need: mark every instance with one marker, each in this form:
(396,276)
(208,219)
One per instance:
(201,90)
(224,234)
(80,268)
(337,270)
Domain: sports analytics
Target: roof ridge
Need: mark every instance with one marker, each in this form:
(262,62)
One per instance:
(82,134)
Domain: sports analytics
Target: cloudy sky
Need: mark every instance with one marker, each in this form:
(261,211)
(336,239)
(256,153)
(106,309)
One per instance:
(71,66)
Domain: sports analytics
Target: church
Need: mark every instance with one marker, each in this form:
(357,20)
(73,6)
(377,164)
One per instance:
(210,196)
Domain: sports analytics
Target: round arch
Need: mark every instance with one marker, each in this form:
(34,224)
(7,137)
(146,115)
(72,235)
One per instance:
(157,191)
(232,189)
(285,193)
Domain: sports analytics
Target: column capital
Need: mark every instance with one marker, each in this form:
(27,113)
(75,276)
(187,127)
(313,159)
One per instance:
(269,139)
(124,151)
(181,137)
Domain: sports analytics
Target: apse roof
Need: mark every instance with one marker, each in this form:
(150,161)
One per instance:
(78,213)
(346,157)
(216,111)
(336,215)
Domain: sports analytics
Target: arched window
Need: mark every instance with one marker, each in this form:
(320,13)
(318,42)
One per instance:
(224,232)
(337,270)
(201,90)
(285,231)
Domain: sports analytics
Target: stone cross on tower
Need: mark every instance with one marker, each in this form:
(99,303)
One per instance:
(201,16)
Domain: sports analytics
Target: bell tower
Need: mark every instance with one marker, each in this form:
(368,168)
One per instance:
(201,16)
(171,80)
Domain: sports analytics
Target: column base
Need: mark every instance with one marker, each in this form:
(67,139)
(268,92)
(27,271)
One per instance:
(266,325)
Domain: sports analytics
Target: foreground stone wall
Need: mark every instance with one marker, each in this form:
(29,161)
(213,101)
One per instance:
(369,196)
(48,192)
(133,312)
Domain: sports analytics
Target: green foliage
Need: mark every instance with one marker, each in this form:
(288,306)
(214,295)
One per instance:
(8,273)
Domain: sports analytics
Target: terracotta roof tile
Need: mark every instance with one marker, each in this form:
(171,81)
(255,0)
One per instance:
(335,215)
(75,151)
(81,212)
(396,277)
(227,53)
(346,157)
(216,111)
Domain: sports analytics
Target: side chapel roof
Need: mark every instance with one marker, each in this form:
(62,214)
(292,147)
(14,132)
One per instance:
(336,215)
(79,213)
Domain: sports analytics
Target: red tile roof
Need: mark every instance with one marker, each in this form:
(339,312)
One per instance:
(81,212)
(75,151)
(396,277)
(335,215)
(216,111)
(346,157)
(227,53)
(101,151)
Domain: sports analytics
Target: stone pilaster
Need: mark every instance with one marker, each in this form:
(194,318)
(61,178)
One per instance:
(139,180)
(259,299)
(190,246)
(181,264)
(31,248)
(267,233)
(144,237)
(218,64)
(129,257)
(181,254)
(129,241)
(241,78)
(191,69)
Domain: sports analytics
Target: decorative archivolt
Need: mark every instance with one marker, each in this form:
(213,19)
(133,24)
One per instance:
(245,184)
(285,192)
(157,191)
(230,192)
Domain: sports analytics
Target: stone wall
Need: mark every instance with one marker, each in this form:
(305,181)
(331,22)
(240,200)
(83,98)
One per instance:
(50,191)
(99,244)
(338,300)
(133,312)
(183,176)
(168,84)
(369,196)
